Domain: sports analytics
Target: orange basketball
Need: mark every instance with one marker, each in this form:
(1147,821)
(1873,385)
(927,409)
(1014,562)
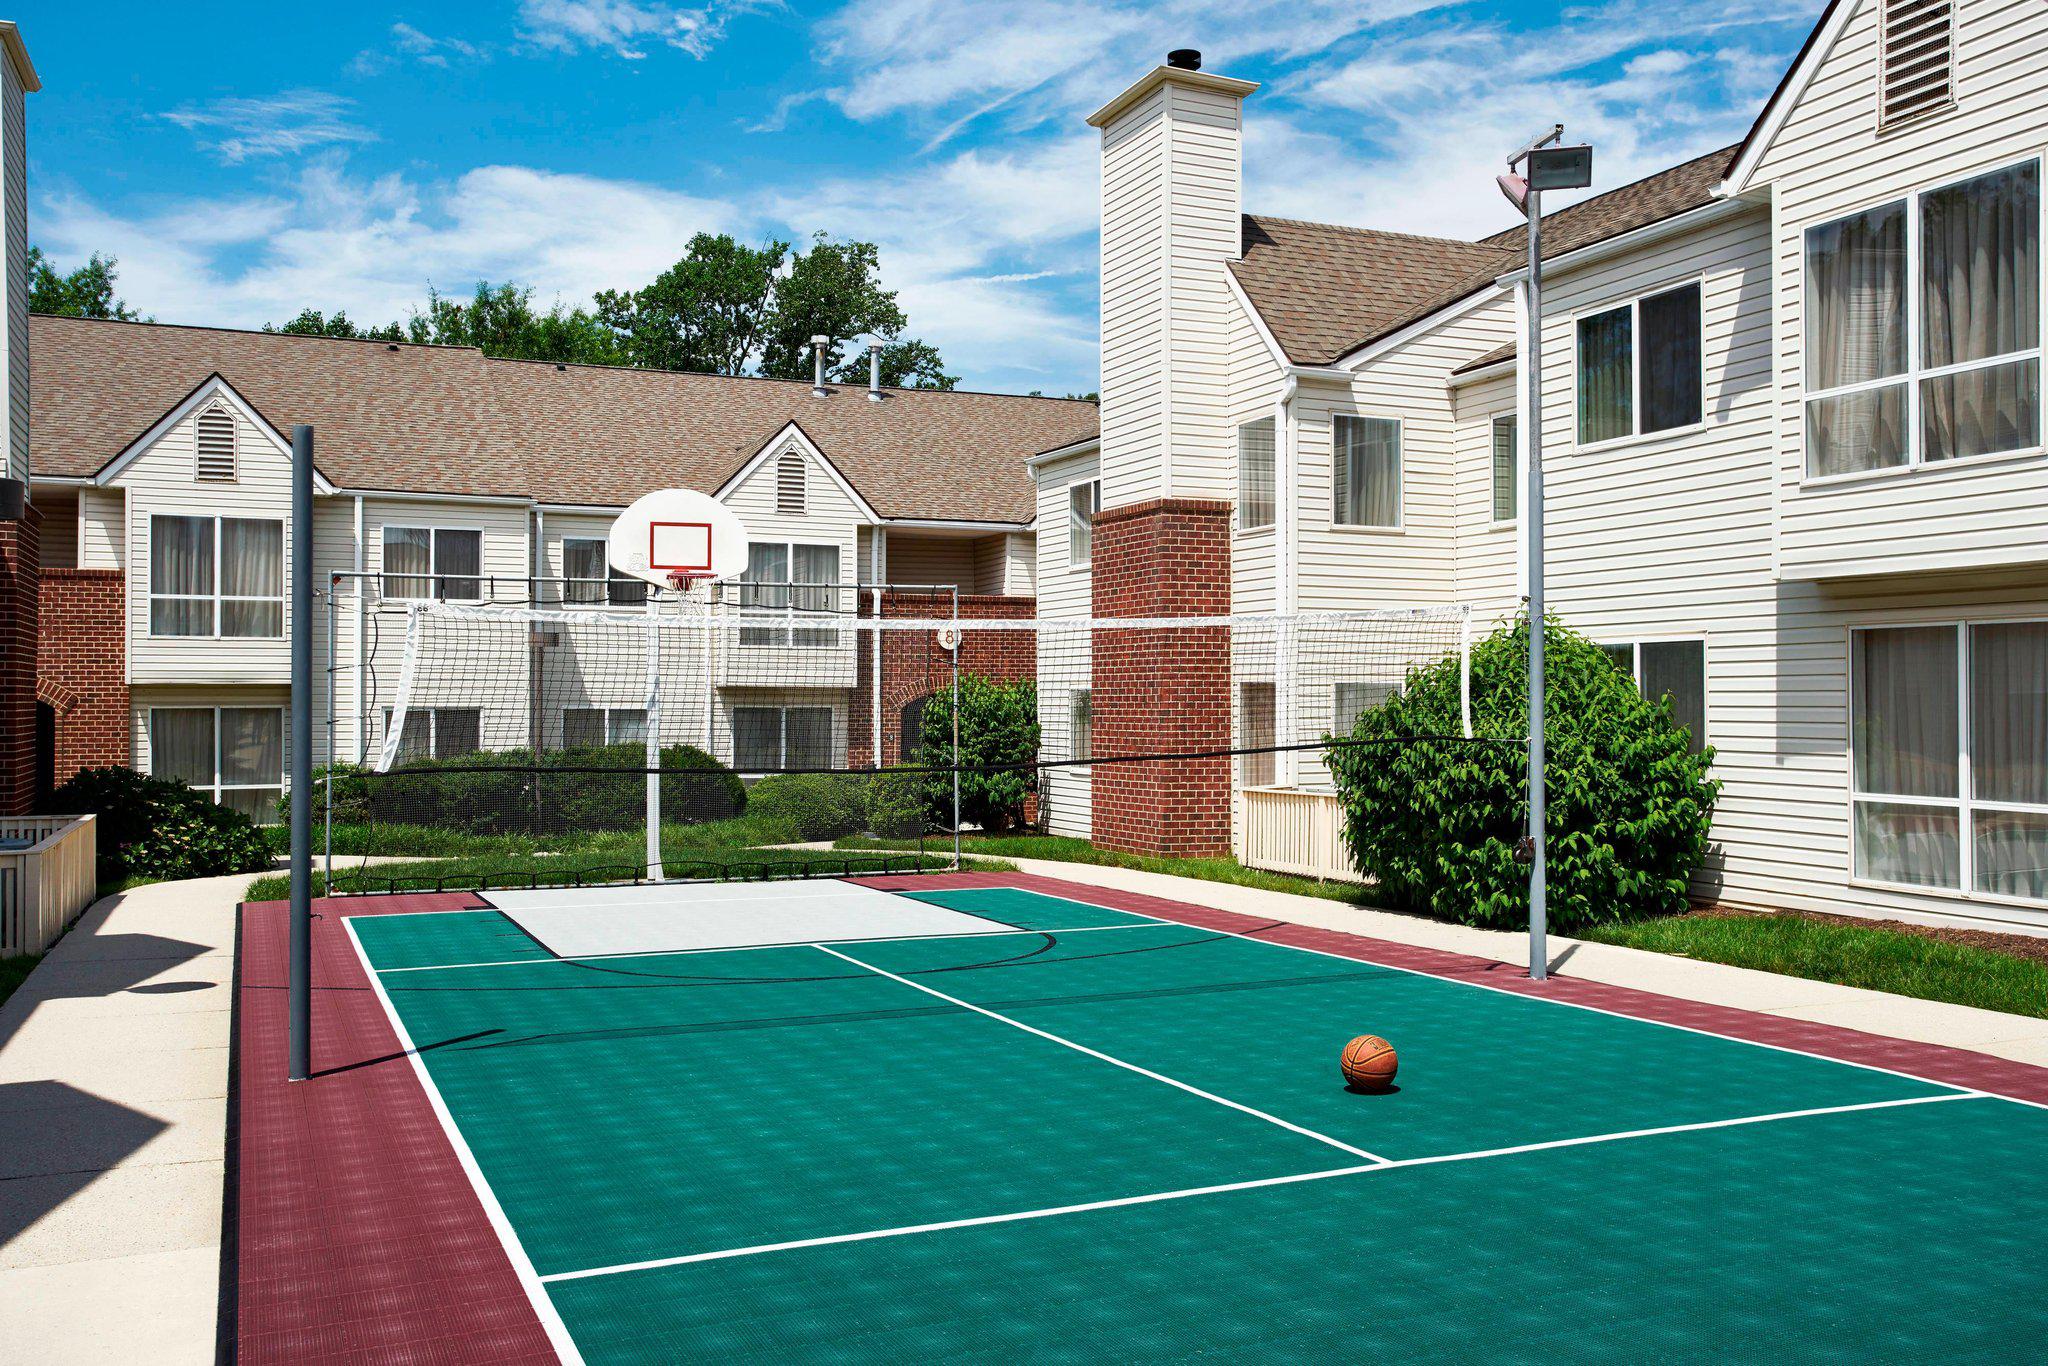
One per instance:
(1369,1063)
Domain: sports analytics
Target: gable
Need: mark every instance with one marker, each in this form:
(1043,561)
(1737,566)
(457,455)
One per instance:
(190,448)
(789,486)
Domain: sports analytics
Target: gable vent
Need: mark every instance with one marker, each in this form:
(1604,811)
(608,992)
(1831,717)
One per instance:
(216,444)
(790,474)
(1917,73)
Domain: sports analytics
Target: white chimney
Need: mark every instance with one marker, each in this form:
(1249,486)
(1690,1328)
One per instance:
(17,81)
(1172,173)
(818,345)
(874,372)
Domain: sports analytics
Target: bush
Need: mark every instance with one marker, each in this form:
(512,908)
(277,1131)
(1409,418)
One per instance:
(511,792)
(810,806)
(896,805)
(1436,823)
(998,725)
(160,828)
(345,786)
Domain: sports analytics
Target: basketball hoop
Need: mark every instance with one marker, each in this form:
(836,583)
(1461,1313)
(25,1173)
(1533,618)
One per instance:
(677,539)
(681,581)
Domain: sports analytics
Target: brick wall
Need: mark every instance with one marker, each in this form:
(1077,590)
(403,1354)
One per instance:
(914,666)
(84,666)
(1162,691)
(20,566)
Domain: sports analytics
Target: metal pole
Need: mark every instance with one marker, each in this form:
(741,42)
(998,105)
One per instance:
(1539,911)
(651,745)
(333,601)
(958,642)
(299,991)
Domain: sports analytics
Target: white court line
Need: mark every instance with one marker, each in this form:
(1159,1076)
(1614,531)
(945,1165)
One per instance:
(1104,1057)
(515,1252)
(789,944)
(1575,1005)
(1158,1196)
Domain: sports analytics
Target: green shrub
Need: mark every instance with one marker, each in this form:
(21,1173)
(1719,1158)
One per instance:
(1436,822)
(809,806)
(345,786)
(895,805)
(160,828)
(509,792)
(998,725)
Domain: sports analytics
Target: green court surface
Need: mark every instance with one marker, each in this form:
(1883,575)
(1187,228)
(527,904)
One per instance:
(1133,1140)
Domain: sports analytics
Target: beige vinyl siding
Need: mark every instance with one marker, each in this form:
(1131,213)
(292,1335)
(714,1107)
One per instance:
(917,559)
(1063,592)
(830,517)
(59,532)
(1256,383)
(1134,225)
(102,528)
(1829,160)
(159,482)
(1205,229)
(558,527)
(1020,563)
(1489,552)
(14,251)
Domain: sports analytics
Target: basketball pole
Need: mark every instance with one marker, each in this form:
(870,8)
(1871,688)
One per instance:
(299,989)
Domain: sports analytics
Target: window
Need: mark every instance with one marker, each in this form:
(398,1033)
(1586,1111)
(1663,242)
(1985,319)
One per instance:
(792,472)
(1257,722)
(1349,701)
(768,738)
(589,578)
(1505,468)
(1674,671)
(1916,61)
(1949,733)
(1639,367)
(1255,475)
(589,727)
(1083,502)
(1081,724)
(233,754)
(1923,331)
(216,576)
(1368,470)
(772,568)
(438,732)
(433,562)
(215,436)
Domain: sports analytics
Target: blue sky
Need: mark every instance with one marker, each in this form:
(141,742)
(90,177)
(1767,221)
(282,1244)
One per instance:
(244,161)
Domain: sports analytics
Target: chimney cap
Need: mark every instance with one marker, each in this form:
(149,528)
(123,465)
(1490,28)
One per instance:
(821,340)
(1185,58)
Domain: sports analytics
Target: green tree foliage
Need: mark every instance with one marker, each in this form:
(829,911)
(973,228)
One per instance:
(311,322)
(998,726)
(1436,820)
(161,828)
(87,292)
(909,364)
(707,312)
(500,320)
(833,290)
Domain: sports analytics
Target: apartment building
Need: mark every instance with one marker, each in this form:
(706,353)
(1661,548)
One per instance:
(161,463)
(1791,440)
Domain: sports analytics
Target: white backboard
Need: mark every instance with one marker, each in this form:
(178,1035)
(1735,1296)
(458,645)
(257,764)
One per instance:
(678,531)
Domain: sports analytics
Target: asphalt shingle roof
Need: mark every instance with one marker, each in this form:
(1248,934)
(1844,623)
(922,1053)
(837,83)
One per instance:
(449,420)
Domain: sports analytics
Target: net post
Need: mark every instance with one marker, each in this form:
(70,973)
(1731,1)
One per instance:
(300,981)
(1465,668)
(957,643)
(1539,911)
(651,741)
(327,778)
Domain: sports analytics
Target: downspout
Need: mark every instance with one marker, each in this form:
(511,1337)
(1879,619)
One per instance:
(361,637)
(878,554)
(1285,553)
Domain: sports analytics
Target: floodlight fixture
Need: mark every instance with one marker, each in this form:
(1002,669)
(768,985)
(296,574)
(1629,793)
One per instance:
(1560,168)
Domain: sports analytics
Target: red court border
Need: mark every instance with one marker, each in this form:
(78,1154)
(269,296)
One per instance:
(359,1238)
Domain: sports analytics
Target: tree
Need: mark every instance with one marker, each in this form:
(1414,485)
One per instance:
(87,292)
(833,291)
(500,321)
(312,323)
(998,751)
(907,364)
(707,312)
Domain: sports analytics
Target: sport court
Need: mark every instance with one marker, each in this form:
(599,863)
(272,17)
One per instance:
(996,1116)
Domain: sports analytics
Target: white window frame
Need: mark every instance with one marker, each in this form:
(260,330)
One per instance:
(609,715)
(1400,523)
(216,597)
(1913,375)
(1634,645)
(1272,492)
(1094,484)
(788,633)
(1494,523)
(782,711)
(1075,698)
(433,575)
(608,588)
(217,787)
(1965,804)
(1634,305)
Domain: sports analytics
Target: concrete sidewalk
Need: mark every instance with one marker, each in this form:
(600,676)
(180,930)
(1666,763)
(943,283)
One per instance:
(113,1124)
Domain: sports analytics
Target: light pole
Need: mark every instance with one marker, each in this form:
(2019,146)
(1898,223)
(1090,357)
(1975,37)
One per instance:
(1544,163)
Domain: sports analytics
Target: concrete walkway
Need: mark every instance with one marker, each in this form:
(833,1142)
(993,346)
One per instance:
(113,1125)
(114,1081)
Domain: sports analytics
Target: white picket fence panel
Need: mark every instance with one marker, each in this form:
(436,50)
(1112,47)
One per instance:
(1286,831)
(46,883)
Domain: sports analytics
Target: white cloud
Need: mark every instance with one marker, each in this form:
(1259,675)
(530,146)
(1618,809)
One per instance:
(625,28)
(287,124)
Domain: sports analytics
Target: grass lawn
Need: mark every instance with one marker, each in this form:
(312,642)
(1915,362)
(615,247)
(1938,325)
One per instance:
(1873,956)
(14,971)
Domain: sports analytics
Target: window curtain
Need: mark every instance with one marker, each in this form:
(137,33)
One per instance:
(2009,756)
(1081,723)
(181,561)
(808,737)
(459,564)
(1980,255)
(1675,671)
(583,565)
(1606,376)
(181,745)
(408,559)
(582,727)
(761,590)
(1349,701)
(816,564)
(1504,470)
(252,760)
(1368,470)
(457,731)
(252,566)
(1671,359)
(1255,474)
(1905,716)
(627,726)
(1255,727)
(1856,332)
(756,739)
(1082,501)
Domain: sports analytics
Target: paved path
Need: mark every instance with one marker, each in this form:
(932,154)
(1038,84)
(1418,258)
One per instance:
(114,1080)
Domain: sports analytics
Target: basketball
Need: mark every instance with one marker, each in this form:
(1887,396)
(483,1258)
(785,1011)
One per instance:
(1369,1062)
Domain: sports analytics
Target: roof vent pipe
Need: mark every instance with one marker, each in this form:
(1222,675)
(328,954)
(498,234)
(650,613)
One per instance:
(1185,59)
(874,372)
(818,345)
